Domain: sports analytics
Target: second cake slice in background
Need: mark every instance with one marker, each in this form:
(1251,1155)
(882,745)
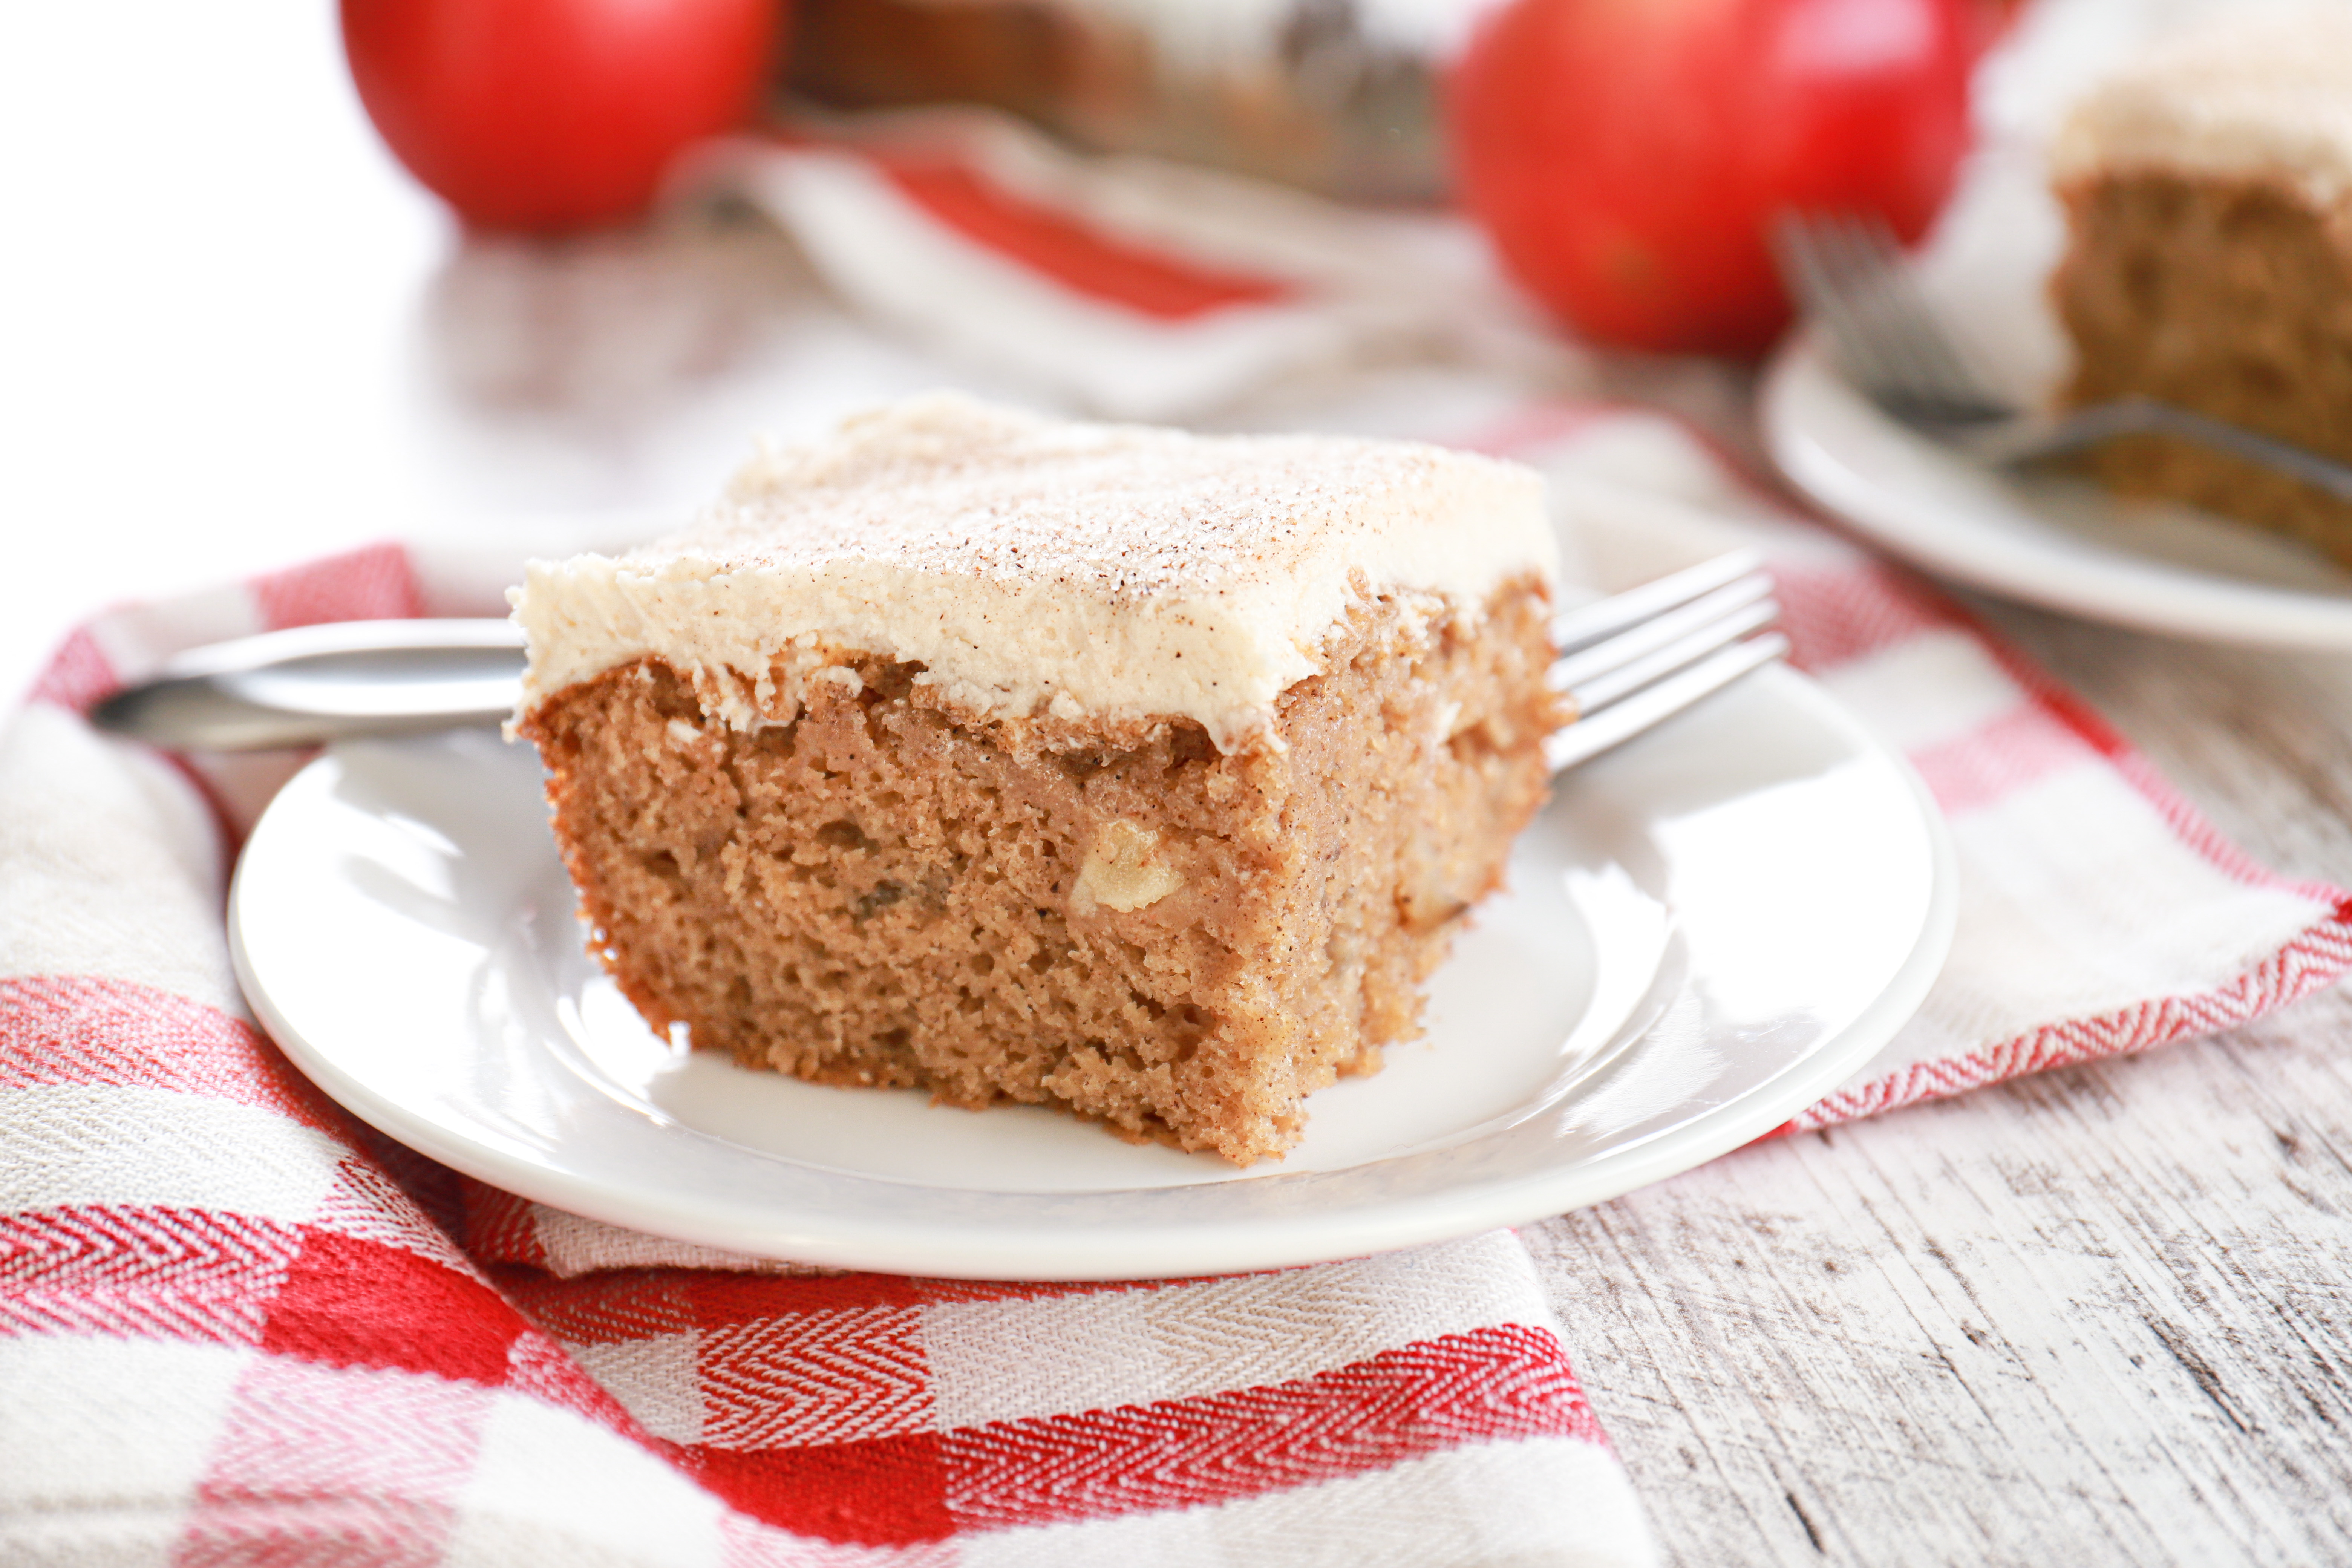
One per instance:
(2209,198)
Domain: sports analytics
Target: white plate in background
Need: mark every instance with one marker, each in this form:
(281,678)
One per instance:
(2062,543)
(1704,933)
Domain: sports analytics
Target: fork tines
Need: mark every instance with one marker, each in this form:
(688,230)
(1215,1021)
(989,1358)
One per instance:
(1631,660)
(1848,273)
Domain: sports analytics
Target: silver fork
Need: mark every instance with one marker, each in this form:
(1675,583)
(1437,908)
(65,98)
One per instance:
(1849,275)
(1627,663)
(1631,661)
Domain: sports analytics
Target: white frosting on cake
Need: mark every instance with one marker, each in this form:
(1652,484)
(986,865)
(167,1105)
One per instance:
(2265,97)
(1030,565)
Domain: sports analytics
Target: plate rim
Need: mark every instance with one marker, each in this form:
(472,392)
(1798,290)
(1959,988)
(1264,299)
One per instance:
(2142,593)
(1419,1218)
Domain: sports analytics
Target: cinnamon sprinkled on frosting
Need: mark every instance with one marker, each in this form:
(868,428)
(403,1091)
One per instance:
(1035,565)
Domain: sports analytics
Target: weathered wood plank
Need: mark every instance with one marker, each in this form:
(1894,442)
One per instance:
(2105,1316)
(2100,1316)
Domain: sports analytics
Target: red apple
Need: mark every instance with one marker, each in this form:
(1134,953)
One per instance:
(1627,157)
(555,114)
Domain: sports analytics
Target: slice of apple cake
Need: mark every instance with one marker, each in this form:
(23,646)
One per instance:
(2209,197)
(1135,773)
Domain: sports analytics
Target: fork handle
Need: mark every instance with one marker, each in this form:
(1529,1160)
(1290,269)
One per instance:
(2028,440)
(317,684)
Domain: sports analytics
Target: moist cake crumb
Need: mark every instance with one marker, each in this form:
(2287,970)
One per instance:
(2209,198)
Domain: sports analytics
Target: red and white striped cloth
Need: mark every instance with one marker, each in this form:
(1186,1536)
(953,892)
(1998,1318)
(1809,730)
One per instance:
(1124,287)
(235,1326)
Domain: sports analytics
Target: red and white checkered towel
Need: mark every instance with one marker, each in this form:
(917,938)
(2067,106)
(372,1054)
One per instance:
(235,1326)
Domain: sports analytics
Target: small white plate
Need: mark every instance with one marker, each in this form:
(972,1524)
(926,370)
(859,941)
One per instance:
(2062,544)
(1704,933)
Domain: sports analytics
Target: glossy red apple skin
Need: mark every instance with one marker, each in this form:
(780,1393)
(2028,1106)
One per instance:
(1626,157)
(551,115)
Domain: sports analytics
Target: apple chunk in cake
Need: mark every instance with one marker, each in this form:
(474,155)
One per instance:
(1138,773)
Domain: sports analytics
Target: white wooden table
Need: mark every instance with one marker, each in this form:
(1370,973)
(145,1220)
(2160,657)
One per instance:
(2099,1316)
